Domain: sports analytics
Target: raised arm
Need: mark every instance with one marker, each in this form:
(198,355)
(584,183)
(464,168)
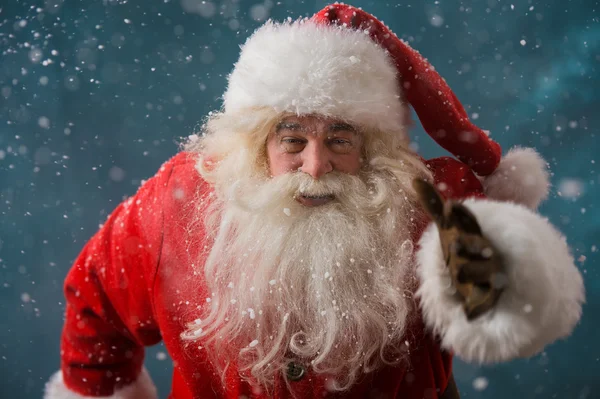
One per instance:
(497,280)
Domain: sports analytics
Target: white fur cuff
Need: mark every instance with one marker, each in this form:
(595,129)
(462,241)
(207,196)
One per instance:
(540,304)
(143,387)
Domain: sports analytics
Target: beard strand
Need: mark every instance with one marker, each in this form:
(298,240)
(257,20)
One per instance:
(329,286)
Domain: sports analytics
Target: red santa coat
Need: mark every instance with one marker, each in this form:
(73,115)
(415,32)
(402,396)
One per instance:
(133,285)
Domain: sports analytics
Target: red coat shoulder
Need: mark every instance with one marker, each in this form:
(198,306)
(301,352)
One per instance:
(110,311)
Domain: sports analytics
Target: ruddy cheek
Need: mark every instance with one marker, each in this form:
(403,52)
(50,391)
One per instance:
(279,164)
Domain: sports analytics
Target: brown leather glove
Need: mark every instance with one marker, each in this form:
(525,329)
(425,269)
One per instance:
(476,268)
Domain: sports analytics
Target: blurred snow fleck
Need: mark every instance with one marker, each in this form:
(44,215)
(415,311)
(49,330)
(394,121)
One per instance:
(467,137)
(259,12)
(178,194)
(35,55)
(116,174)
(480,383)
(44,122)
(161,356)
(234,24)
(523,42)
(178,30)
(570,188)
(53,6)
(436,20)
(25,297)
(72,83)
(253,343)
(206,9)
(331,384)
(487,252)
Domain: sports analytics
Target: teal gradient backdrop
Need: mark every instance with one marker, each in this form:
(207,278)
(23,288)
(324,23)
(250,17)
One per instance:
(95,95)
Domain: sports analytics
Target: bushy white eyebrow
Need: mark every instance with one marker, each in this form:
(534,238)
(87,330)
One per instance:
(331,128)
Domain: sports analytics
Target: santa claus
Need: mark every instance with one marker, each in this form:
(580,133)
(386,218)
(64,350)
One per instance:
(296,248)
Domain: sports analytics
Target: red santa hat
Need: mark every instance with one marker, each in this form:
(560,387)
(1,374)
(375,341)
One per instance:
(345,63)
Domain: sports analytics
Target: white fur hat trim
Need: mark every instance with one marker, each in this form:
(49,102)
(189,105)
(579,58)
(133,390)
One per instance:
(305,68)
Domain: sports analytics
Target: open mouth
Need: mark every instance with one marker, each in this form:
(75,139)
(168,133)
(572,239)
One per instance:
(314,200)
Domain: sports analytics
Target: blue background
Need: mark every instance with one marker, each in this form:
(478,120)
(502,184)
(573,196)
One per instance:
(95,95)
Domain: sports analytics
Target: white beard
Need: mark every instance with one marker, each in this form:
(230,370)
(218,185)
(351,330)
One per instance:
(328,286)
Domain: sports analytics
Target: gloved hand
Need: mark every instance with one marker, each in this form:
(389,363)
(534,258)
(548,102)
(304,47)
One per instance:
(475,266)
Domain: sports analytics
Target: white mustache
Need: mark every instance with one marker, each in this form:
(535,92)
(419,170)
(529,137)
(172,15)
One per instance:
(330,185)
(290,185)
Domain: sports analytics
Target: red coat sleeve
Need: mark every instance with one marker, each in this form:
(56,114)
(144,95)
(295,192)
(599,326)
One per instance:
(109,311)
(454,179)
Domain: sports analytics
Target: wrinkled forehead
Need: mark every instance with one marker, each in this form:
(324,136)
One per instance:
(316,122)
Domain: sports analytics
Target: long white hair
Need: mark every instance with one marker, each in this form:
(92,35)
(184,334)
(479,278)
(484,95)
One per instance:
(331,286)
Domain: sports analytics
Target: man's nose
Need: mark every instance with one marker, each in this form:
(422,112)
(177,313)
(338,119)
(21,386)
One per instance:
(316,161)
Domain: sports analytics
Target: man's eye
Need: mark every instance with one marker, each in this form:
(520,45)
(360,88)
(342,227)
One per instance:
(291,144)
(341,142)
(292,141)
(341,146)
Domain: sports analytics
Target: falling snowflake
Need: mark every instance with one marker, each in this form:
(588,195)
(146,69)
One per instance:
(480,383)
